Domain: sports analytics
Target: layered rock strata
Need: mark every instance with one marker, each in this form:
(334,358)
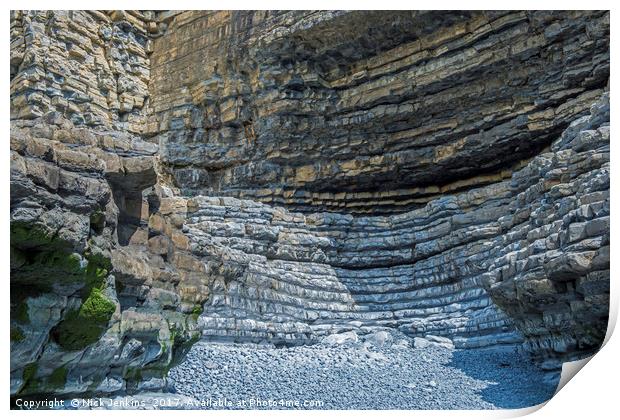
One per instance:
(550,271)
(537,242)
(325,111)
(92,67)
(92,309)
(283,176)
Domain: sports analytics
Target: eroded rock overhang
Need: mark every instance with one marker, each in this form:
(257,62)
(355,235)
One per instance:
(281,176)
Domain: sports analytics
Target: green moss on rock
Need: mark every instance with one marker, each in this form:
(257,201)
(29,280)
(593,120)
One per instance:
(57,379)
(86,325)
(17,335)
(30,370)
(69,263)
(43,260)
(21,312)
(97,221)
(196,311)
(46,268)
(25,235)
(95,275)
(97,308)
(182,342)
(98,260)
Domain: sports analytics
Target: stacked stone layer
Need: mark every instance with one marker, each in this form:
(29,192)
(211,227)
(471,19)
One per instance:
(537,242)
(550,272)
(287,277)
(80,187)
(79,245)
(259,105)
(92,67)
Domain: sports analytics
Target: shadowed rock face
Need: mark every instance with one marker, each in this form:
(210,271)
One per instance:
(283,176)
(367,112)
(537,243)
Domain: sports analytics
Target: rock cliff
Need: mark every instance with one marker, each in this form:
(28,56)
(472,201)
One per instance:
(366,112)
(283,176)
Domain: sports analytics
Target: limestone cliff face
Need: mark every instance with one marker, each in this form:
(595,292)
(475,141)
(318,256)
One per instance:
(93,310)
(367,112)
(281,176)
(91,67)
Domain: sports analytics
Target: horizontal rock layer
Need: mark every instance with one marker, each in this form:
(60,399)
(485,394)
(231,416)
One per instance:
(260,105)
(550,272)
(537,242)
(92,310)
(91,66)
